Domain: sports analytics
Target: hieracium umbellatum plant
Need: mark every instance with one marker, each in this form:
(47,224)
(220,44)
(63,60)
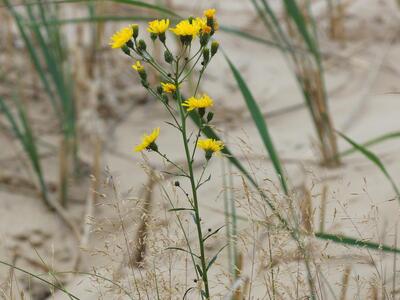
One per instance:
(196,51)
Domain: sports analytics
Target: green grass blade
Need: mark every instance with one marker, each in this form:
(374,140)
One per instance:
(25,135)
(296,15)
(11,119)
(159,8)
(90,19)
(344,240)
(374,141)
(33,54)
(40,279)
(374,159)
(260,123)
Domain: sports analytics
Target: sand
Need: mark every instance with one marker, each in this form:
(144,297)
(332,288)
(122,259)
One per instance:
(362,82)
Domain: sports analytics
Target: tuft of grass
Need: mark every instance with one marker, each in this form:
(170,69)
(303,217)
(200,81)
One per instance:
(47,51)
(307,66)
(24,133)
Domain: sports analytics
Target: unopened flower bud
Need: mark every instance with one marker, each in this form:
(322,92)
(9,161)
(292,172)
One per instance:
(159,90)
(190,19)
(143,75)
(141,46)
(206,56)
(129,44)
(210,116)
(126,50)
(165,99)
(204,39)
(168,57)
(144,83)
(153,36)
(135,29)
(214,48)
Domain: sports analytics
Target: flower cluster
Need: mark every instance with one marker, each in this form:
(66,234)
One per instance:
(187,30)
(173,72)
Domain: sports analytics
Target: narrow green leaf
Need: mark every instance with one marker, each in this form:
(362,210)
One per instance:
(214,258)
(374,141)
(374,159)
(344,240)
(294,12)
(137,3)
(183,250)
(180,209)
(260,123)
(212,233)
(40,279)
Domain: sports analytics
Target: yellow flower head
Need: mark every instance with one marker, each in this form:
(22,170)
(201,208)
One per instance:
(158,26)
(185,28)
(168,87)
(201,102)
(210,13)
(210,145)
(138,66)
(207,30)
(148,141)
(121,37)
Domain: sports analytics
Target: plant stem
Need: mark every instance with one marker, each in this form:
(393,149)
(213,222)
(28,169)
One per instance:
(194,194)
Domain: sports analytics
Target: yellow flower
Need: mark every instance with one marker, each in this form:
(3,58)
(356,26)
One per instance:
(148,141)
(207,29)
(168,87)
(185,28)
(210,146)
(138,66)
(201,102)
(158,26)
(121,37)
(200,23)
(210,13)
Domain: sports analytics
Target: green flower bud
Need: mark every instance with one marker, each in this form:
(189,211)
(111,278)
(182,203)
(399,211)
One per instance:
(141,46)
(165,99)
(145,83)
(214,48)
(129,44)
(126,50)
(204,38)
(190,19)
(159,90)
(143,75)
(153,36)
(135,29)
(168,56)
(206,56)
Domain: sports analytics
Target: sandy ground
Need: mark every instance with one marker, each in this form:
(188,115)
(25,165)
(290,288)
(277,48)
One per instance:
(361,77)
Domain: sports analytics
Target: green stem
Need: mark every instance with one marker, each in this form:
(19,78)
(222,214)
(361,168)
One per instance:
(194,193)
